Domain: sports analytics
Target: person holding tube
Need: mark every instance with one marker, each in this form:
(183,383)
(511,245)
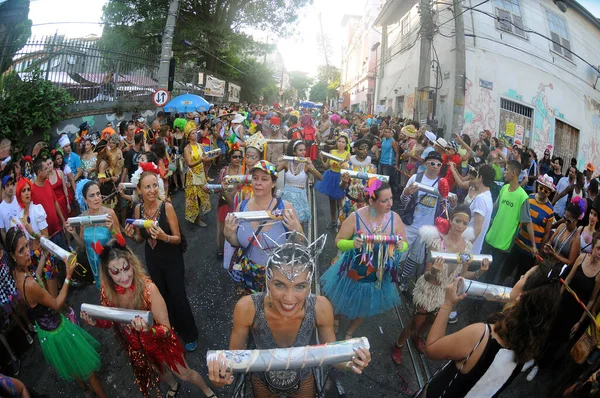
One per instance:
(360,283)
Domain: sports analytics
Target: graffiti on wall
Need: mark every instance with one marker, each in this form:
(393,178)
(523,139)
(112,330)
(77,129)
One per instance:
(96,123)
(591,151)
(480,113)
(543,129)
(409,106)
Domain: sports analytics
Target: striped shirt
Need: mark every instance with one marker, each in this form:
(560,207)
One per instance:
(540,214)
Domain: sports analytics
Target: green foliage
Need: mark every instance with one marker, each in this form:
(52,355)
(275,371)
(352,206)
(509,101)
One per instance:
(318,92)
(15,30)
(30,106)
(300,81)
(255,81)
(327,85)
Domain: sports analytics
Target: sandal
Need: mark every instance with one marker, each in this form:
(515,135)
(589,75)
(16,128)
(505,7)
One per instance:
(172,392)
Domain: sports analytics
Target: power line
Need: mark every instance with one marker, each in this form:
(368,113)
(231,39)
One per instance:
(465,10)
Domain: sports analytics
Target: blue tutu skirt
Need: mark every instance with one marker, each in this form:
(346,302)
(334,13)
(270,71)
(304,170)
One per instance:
(358,299)
(298,200)
(330,185)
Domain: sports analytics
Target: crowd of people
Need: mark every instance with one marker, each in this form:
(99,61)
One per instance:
(396,191)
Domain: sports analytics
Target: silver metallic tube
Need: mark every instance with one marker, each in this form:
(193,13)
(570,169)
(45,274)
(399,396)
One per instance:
(483,290)
(237,179)
(332,157)
(461,258)
(433,191)
(295,159)
(120,315)
(67,257)
(88,220)
(261,215)
(365,176)
(288,358)
(213,153)
(217,187)
(274,141)
(128,186)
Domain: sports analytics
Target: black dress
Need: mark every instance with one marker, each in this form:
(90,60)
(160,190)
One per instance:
(167,270)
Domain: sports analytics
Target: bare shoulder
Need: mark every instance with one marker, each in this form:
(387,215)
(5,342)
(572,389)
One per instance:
(244,310)
(323,305)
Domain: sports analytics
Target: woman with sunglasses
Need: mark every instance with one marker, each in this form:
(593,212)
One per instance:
(33,218)
(429,291)
(545,163)
(565,244)
(70,350)
(90,201)
(225,203)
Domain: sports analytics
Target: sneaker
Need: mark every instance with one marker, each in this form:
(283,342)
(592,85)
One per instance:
(397,354)
(29,338)
(533,373)
(419,342)
(453,317)
(528,365)
(191,347)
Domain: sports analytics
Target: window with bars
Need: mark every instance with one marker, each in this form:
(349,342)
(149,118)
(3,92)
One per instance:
(513,112)
(560,43)
(509,17)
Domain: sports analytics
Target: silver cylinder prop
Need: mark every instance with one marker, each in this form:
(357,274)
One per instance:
(128,186)
(99,219)
(476,289)
(295,159)
(365,176)
(261,215)
(288,358)
(274,141)
(141,223)
(67,257)
(217,187)
(332,157)
(120,315)
(213,153)
(433,191)
(461,258)
(237,179)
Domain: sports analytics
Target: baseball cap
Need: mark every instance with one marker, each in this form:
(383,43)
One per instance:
(6,179)
(433,155)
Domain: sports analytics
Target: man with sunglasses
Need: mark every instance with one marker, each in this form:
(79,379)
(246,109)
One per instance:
(542,216)
(512,209)
(9,207)
(424,207)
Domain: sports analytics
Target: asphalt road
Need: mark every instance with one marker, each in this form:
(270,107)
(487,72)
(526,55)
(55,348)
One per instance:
(212,296)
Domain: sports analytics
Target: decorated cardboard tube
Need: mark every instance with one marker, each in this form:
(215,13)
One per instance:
(273,141)
(296,159)
(70,259)
(461,258)
(261,215)
(237,179)
(432,190)
(216,187)
(128,186)
(365,176)
(99,219)
(213,153)
(489,292)
(120,315)
(141,223)
(239,361)
(332,157)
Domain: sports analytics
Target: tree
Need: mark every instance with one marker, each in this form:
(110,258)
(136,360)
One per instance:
(15,30)
(30,106)
(318,92)
(300,81)
(328,83)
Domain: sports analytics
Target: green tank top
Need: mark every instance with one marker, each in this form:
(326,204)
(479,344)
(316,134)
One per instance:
(507,219)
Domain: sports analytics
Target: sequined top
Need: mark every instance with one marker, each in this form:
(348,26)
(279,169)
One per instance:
(46,318)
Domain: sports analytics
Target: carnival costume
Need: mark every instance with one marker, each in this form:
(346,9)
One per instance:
(195,180)
(330,184)
(67,348)
(355,193)
(9,295)
(294,190)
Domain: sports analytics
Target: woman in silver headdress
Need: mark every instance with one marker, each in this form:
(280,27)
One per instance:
(285,316)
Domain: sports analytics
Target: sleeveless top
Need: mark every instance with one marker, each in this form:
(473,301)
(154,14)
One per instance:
(92,234)
(263,337)
(495,369)
(585,241)
(297,181)
(89,164)
(46,318)
(564,248)
(335,166)
(570,309)
(58,186)
(387,152)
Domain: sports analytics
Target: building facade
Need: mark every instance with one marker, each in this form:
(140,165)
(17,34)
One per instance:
(532,72)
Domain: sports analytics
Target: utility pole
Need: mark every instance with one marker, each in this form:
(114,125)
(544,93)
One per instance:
(326,59)
(460,75)
(167,45)
(423,85)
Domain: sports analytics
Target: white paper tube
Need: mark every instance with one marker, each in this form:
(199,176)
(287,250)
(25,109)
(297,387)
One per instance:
(128,186)
(261,215)
(484,290)
(99,219)
(120,315)
(295,159)
(433,191)
(365,176)
(461,258)
(68,258)
(213,153)
(332,157)
(273,141)
(289,358)
(237,179)
(5,161)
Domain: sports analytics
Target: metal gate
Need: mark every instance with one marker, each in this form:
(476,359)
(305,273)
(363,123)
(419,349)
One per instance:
(566,141)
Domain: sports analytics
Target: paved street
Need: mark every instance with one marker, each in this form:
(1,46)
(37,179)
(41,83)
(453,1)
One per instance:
(213,297)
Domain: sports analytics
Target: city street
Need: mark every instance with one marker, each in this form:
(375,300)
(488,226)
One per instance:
(213,297)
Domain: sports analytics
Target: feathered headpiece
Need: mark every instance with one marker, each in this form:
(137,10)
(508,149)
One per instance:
(581,203)
(149,166)
(79,192)
(372,185)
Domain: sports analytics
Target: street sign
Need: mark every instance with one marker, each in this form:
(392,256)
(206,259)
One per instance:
(161,97)
(340,100)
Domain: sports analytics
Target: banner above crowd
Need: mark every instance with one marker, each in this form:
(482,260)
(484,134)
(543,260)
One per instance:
(214,87)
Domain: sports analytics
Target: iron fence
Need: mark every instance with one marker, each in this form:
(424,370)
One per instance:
(89,70)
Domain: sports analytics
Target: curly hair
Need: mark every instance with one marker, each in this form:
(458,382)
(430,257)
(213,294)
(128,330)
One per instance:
(525,324)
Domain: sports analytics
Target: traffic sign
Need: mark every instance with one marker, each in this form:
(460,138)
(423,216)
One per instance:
(161,97)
